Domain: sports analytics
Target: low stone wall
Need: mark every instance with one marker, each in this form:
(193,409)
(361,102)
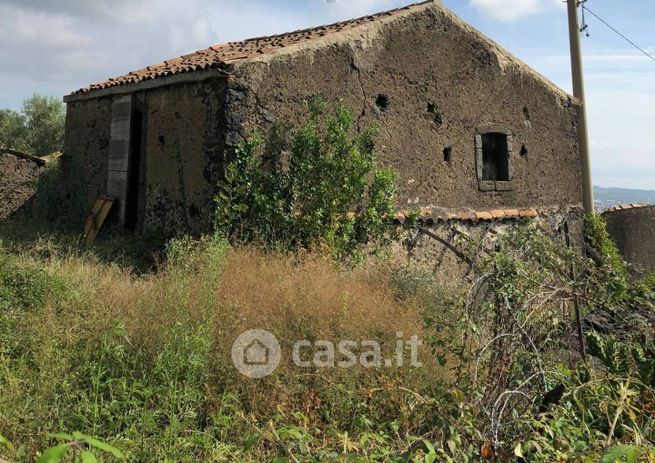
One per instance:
(443,241)
(18,182)
(633,229)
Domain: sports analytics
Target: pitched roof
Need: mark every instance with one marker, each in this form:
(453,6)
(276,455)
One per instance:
(221,55)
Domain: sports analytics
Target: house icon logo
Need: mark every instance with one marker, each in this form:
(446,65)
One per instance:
(256,353)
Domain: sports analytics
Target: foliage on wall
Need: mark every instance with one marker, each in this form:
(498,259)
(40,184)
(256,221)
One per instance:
(322,188)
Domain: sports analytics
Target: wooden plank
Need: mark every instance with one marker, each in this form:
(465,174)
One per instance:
(96,219)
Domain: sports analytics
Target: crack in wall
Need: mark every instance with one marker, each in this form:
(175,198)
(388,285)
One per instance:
(361,84)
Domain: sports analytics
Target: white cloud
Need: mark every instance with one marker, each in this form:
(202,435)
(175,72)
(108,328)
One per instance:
(57,47)
(32,28)
(511,10)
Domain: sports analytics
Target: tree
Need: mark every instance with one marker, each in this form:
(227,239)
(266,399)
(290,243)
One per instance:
(37,129)
(13,131)
(46,117)
(323,189)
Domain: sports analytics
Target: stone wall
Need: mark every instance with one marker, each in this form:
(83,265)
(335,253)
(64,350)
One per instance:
(633,229)
(444,245)
(182,154)
(86,151)
(18,182)
(430,83)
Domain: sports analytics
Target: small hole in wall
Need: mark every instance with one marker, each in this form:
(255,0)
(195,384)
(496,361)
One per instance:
(162,140)
(448,154)
(526,114)
(524,152)
(382,102)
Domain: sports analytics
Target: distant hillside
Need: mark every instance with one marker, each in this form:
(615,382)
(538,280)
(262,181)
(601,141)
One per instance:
(608,197)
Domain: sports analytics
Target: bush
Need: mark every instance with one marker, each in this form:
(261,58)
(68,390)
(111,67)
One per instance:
(25,285)
(512,340)
(609,264)
(331,194)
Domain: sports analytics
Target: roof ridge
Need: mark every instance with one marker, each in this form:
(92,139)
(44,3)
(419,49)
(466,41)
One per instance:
(325,26)
(219,55)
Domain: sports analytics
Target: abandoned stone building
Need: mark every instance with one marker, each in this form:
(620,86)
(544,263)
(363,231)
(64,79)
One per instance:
(473,133)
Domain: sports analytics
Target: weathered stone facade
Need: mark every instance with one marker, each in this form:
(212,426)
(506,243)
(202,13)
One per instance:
(433,85)
(182,153)
(443,242)
(633,229)
(19,177)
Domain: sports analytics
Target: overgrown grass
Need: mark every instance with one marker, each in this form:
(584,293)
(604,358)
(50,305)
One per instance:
(142,360)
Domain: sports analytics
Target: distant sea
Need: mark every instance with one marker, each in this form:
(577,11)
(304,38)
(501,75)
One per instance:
(608,197)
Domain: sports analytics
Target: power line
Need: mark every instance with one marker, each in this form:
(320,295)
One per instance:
(584,8)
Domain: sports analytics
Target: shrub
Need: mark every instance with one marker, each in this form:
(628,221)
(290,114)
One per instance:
(25,285)
(609,265)
(329,192)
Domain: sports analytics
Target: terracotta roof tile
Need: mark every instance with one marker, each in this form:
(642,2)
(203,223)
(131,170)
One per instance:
(528,213)
(430,215)
(625,207)
(467,216)
(220,55)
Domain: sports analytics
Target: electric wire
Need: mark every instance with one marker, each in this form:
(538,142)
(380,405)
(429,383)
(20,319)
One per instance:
(616,31)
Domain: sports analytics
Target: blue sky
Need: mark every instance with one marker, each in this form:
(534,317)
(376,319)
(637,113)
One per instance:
(56,46)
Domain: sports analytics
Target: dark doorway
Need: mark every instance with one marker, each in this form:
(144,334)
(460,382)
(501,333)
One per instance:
(495,157)
(134,170)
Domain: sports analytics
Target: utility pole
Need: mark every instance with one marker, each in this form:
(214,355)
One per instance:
(579,93)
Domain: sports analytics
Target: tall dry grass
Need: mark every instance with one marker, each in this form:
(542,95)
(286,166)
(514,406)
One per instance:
(144,360)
